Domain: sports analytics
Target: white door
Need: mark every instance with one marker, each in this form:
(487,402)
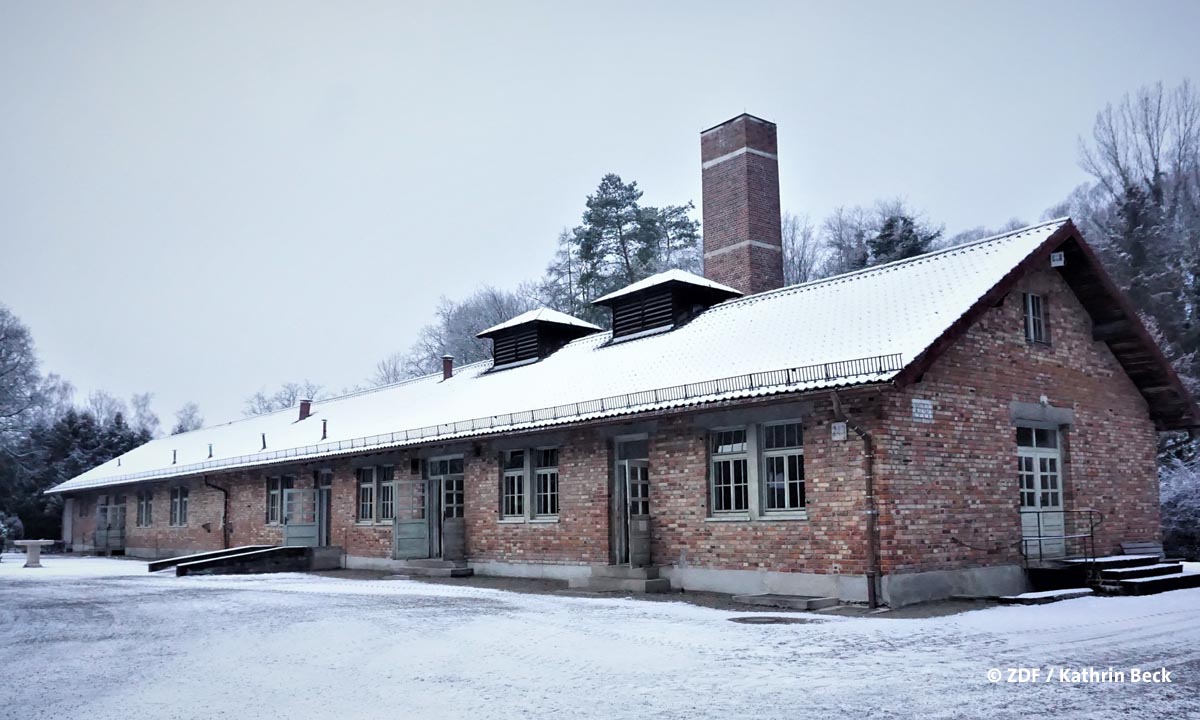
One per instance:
(1039,472)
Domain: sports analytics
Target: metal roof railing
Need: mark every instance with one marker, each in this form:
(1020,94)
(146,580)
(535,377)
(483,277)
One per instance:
(776,380)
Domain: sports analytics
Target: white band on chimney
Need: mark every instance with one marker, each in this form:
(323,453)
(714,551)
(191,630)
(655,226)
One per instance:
(736,153)
(742,244)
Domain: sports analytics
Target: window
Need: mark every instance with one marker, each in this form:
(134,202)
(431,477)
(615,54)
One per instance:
(377,494)
(179,506)
(783,467)
(512,487)
(386,477)
(366,494)
(450,470)
(546,489)
(83,507)
(730,485)
(452,487)
(144,501)
(275,488)
(1035,319)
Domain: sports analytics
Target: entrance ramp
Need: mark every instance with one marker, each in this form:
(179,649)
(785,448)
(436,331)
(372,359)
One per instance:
(172,562)
(287,558)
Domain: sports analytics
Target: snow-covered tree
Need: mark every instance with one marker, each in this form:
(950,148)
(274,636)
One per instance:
(285,396)
(618,242)
(802,249)
(187,419)
(1179,483)
(20,382)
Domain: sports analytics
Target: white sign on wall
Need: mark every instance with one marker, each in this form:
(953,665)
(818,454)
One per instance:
(839,431)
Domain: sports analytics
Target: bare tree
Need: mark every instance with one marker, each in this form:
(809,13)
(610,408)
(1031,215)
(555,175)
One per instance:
(104,406)
(390,370)
(453,332)
(187,419)
(802,249)
(287,395)
(144,418)
(19,379)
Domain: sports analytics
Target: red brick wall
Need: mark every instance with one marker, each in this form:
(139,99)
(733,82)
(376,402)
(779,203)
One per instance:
(740,203)
(581,533)
(830,541)
(952,483)
(947,489)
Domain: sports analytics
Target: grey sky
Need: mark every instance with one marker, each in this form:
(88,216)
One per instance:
(205,199)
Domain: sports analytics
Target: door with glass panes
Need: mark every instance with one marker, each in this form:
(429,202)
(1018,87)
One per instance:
(429,512)
(630,511)
(1039,475)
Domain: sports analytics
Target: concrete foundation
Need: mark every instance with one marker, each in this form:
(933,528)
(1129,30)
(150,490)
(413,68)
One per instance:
(910,588)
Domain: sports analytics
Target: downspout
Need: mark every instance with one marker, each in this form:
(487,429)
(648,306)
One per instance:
(871,511)
(224,513)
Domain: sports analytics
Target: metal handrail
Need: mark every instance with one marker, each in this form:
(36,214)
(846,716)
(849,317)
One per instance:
(1094,519)
(675,395)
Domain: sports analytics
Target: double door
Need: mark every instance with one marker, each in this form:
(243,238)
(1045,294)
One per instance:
(429,512)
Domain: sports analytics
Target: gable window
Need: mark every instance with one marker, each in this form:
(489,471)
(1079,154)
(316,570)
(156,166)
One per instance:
(729,482)
(512,486)
(179,506)
(275,488)
(783,467)
(1035,319)
(546,491)
(144,501)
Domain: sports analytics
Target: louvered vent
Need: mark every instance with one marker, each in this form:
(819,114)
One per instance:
(532,336)
(637,314)
(516,346)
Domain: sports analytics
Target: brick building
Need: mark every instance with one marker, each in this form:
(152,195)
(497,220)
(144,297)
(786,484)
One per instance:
(907,432)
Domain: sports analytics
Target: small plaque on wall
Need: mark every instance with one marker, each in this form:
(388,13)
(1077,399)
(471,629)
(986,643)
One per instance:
(838,430)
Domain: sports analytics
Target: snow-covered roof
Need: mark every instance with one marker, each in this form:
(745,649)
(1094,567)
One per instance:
(542,314)
(797,338)
(663,278)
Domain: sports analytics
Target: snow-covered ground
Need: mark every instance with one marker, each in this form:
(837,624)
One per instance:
(105,639)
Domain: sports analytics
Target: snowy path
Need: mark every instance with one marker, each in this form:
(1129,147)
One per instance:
(115,642)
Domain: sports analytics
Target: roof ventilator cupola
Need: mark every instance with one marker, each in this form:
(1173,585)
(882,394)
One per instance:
(533,335)
(661,302)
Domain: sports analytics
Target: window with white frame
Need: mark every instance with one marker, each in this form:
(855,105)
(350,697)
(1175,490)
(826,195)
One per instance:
(385,477)
(179,506)
(1035,318)
(275,488)
(783,467)
(512,484)
(366,494)
(545,494)
(728,477)
(145,499)
(376,494)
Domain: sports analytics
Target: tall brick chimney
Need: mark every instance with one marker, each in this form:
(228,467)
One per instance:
(743,236)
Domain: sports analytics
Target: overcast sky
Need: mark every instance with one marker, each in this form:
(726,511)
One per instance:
(205,199)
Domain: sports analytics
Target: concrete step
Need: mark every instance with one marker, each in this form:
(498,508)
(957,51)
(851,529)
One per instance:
(326,558)
(417,571)
(1114,561)
(624,572)
(794,602)
(435,563)
(631,585)
(1047,596)
(1139,571)
(1157,584)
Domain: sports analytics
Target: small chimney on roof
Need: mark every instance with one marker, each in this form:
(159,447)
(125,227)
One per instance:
(743,233)
(305,408)
(447,367)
